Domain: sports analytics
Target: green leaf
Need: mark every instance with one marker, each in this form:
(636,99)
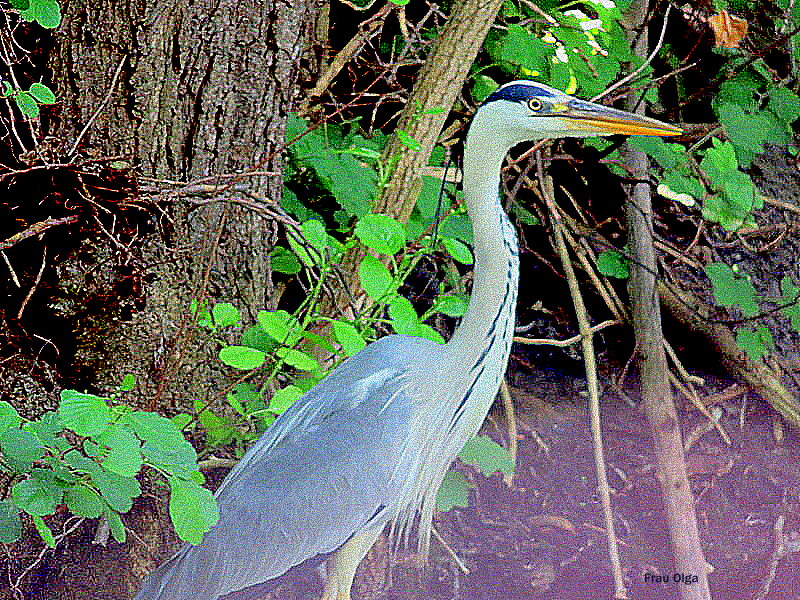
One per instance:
(128,383)
(523,215)
(44,531)
(487,455)
(78,462)
(739,196)
(202,314)
(298,359)
(9,417)
(26,104)
(244,394)
(156,430)
(311,249)
(523,49)
(284,398)
(220,430)
(47,429)
(452,305)
(242,357)
(352,183)
(408,141)
(280,326)
(429,333)
(38,495)
(791,294)
(756,342)
(667,155)
(117,490)
(403,315)
(284,261)
(84,501)
(124,455)
(381,233)
(46,12)
(116,525)
(84,414)
(458,250)
(612,263)
(20,448)
(375,277)
(256,337)
(731,289)
(10,523)
(745,130)
(483,86)
(42,93)
(192,509)
(225,314)
(348,337)
(785,104)
(453,492)
(20,4)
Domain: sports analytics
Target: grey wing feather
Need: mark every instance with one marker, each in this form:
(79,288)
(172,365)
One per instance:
(323,471)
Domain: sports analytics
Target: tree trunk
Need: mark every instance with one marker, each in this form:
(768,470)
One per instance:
(657,401)
(204,91)
(176,92)
(436,90)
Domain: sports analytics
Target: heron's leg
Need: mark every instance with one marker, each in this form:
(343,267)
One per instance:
(342,565)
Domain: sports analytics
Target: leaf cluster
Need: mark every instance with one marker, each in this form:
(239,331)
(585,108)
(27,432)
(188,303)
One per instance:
(86,455)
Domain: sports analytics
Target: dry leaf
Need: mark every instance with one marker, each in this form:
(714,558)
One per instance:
(728,30)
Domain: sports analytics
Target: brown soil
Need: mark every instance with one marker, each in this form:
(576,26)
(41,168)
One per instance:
(542,538)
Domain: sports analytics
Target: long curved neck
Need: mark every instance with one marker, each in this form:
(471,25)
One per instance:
(482,341)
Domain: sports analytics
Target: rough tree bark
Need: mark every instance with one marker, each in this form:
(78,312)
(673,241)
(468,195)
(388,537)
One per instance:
(188,91)
(204,91)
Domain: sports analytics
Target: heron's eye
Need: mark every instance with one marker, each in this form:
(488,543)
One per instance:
(535,104)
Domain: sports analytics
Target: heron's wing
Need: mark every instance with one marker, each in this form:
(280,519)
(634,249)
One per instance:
(325,470)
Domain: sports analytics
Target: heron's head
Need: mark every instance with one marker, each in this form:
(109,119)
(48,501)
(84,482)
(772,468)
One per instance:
(525,110)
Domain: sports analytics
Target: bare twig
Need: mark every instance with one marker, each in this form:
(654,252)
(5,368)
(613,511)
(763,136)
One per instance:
(456,559)
(35,229)
(590,364)
(632,75)
(511,424)
(35,284)
(567,342)
(111,88)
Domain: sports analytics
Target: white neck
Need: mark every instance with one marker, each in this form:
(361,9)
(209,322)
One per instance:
(482,341)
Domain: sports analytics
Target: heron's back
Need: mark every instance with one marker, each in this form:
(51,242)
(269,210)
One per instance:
(329,467)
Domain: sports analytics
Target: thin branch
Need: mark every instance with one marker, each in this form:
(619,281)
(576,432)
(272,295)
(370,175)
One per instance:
(632,75)
(109,93)
(603,488)
(567,342)
(35,229)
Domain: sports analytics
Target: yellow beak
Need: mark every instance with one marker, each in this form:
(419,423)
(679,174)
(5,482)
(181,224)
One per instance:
(604,120)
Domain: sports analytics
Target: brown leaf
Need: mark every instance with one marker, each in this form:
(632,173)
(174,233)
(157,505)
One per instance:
(728,29)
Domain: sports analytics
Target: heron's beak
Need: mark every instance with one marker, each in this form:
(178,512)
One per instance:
(604,120)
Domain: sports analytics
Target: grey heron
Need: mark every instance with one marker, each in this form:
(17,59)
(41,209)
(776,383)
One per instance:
(371,443)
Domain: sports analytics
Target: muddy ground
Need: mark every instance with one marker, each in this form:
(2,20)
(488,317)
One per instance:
(542,538)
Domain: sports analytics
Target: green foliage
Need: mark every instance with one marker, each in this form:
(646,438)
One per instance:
(454,491)
(733,289)
(45,12)
(86,456)
(28,101)
(334,156)
(612,263)
(573,50)
(485,455)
